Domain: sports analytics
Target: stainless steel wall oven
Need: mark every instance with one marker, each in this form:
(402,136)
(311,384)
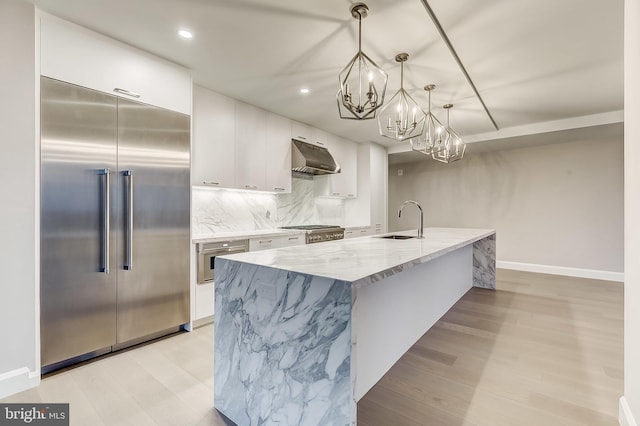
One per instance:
(207,253)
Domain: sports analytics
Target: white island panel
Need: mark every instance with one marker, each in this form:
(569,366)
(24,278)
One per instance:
(391,315)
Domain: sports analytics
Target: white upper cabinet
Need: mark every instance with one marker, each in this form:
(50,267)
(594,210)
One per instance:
(251,147)
(345,183)
(237,145)
(213,139)
(301,132)
(320,138)
(77,55)
(278,156)
(370,208)
(309,134)
(378,174)
(263,150)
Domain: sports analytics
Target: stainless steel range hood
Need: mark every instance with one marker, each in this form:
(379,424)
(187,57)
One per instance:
(312,159)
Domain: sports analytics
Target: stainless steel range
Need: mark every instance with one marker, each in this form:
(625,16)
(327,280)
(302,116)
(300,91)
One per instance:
(320,233)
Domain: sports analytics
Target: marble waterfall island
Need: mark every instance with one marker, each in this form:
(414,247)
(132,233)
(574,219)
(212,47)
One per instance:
(302,333)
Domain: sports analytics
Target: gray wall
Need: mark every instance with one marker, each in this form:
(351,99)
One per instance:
(555,205)
(18,189)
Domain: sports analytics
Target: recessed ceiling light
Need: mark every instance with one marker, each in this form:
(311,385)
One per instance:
(304,90)
(185,34)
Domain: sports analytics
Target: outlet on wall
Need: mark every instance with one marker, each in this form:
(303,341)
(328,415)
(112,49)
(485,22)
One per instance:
(400,172)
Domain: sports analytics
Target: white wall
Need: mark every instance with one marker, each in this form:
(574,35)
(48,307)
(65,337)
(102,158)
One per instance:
(630,403)
(19,359)
(558,205)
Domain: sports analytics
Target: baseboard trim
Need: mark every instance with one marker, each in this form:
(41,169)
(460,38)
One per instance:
(202,321)
(560,270)
(17,380)
(625,417)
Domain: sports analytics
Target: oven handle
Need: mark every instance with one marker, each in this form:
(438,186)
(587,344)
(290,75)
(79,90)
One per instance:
(224,250)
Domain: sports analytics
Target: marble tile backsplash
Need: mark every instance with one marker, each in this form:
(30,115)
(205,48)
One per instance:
(219,210)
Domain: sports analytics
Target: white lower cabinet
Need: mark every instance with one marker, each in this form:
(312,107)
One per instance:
(266,243)
(360,231)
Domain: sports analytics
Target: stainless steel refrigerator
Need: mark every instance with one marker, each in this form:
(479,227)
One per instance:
(114,222)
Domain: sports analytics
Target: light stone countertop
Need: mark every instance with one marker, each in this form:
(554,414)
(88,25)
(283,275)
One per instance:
(365,260)
(237,235)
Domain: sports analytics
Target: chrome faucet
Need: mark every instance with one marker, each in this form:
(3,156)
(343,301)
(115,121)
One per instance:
(421,214)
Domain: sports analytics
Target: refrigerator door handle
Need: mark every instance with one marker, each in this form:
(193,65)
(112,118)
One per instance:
(128,265)
(106,202)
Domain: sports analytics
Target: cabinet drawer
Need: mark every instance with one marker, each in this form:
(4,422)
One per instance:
(266,243)
(294,240)
(256,244)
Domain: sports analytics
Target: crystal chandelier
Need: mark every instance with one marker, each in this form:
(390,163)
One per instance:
(361,80)
(401,118)
(452,145)
(434,132)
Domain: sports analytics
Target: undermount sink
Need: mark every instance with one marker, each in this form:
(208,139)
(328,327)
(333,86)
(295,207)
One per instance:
(397,237)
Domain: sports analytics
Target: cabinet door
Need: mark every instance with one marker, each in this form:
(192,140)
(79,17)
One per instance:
(320,138)
(293,240)
(251,147)
(301,132)
(350,233)
(266,243)
(257,244)
(214,134)
(378,187)
(346,182)
(358,232)
(278,155)
(77,55)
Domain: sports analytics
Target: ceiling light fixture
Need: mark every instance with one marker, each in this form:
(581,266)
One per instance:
(434,132)
(452,146)
(401,118)
(362,83)
(187,35)
(304,91)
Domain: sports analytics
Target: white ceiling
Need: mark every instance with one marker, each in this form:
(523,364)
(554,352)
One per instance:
(532,61)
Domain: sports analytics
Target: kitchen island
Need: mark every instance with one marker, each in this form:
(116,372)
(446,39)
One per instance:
(302,333)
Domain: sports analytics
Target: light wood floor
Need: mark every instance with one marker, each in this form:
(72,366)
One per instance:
(542,350)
